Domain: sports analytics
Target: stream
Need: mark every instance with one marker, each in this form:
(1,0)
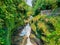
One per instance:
(23,37)
(26,31)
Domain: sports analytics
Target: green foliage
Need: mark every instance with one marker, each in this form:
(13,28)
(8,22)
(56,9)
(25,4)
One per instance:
(12,12)
(39,5)
(2,37)
(48,29)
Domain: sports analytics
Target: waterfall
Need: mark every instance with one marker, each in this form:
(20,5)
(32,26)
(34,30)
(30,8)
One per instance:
(26,32)
(28,28)
(29,2)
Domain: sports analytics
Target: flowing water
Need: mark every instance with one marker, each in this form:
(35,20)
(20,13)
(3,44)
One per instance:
(27,29)
(26,32)
(23,36)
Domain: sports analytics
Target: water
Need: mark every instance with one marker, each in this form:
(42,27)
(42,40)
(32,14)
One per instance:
(29,2)
(29,42)
(28,28)
(26,32)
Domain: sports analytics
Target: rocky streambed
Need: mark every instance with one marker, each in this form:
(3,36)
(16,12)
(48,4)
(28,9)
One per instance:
(25,37)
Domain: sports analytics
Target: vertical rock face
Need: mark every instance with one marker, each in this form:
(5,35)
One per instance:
(16,39)
(46,12)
